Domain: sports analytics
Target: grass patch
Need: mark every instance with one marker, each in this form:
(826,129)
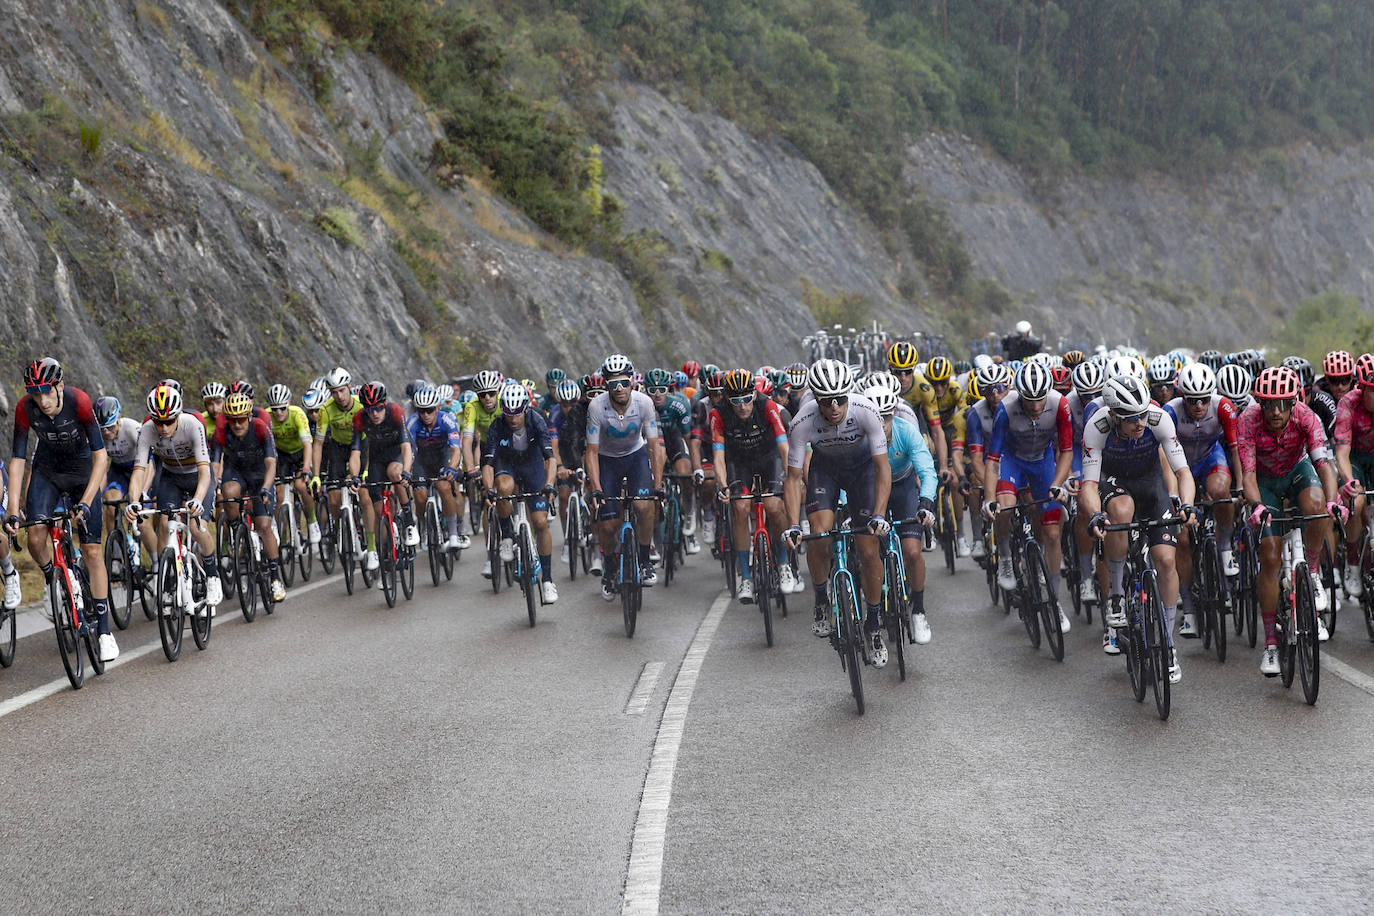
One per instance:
(159,132)
(340,224)
(852,310)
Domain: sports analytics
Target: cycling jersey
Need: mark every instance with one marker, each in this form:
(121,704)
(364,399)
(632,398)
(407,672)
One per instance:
(922,395)
(1354,424)
(569,429)
(675,415)
(440,437)
(746,438)
(978,425)
(65,441)
(854,441)
(1199,438)
(509,447)
(122,447)
(1030,438)
(1275,455)
(907,454)
(477,420)
(1324,405)
(245,457)
(380,437)
(617,434)
(180,453)
(1106,453)
(292,435)
(949,402)
(337,422)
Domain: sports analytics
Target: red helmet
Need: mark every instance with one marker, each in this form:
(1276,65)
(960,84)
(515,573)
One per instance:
(1277,383)
(595,382)
(1338,363)
(691,369)
(1061,379)
(764,386)
(373,394)
(715,381)
(1364,370)
(42,373)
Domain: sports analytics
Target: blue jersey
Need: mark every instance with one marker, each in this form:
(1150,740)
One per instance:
(442,435)
(907,453)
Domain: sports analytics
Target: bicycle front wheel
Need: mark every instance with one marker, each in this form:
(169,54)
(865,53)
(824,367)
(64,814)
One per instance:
(896,611)
(947,529)
(1308,647)
(120,577)
(1331,581)
(851,634)
(286,542)
(1156,644)
(433,547)
(1214,596)
(629,579)
(528,580)
(386,560)
(245,574)
(762,572)
(171,619)
(1045,603)
(201,621)
(8,636)
(68,639)
(494,550)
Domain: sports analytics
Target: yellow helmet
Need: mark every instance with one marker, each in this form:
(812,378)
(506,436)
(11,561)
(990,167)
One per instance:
(973,392)
(238,405)
(902,355)
(939,369)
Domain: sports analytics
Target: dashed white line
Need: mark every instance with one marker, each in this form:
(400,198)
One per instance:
(644,689)
(644,878)
(42,692)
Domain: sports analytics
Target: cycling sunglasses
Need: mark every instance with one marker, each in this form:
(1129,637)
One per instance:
(1342,380)
(1205,399)
(39,389)
(741,400)
(658,389)
(1133,418)
(614,384)
(838,401)
(1276,404)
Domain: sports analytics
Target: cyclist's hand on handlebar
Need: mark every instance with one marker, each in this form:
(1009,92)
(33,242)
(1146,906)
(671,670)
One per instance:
(1059,494)
(1338,510)
(549,490)
(12,524)
(660,493)
(792,536)
(130,512)
(1259,516)
(698,476)
(1073,485)
(407,476)
(879,525)
(449,473)
(490,496)
(193,506)
(1097,525)
(1353,489)
(1189,514)
(946,475)
(965,486)
(722,493)
(990,509)
(265,496)
(80,512)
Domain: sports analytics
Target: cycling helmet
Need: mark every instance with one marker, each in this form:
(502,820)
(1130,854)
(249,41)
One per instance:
(554,376)
(426,399)
(691,369)
(886,380)
(1043,359)
(1338,363)
(738,382)
(708,369)
(1234,382)
(780,379)
(445,393)
(680,379)
(164,403)
(238,405)
(596,382)
(1126,395)
(173,383)
(1211,359)
(617,364)
(313,399)
(467,397)
(213,390)
(339,378)
(373,394)
(658,378)
(1277,383)
(242,386)
(1124,365)
(900,355)
(1023,327)
(488,380)
(763,385)
(972,393)
(830,378)
(1073,358)
(107,411)
(961,366)
(990,375)
(278,395)
(1303,368)
(1061,379)
(42,372)
(515,399)
(796,374)
(1364,370)
(938,370)
(713,378)
(1162,371)
(567,390)
(1033,381)
(1087,379)
(1197,381)
(883,399)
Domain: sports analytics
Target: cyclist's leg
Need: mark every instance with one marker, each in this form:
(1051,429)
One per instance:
(1270,556)
(533,480)
(1306,491)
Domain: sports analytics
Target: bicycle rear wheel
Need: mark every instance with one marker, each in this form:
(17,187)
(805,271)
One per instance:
(1135,646)
(224,549)
(405,559)
(672,537)
(171,619)
(343,540)
(201,621)
(494,549)
(528,580)
(851,633)
(1288,638)
(1308,648)
(763,572)
(8,636)
(947,530)
(329,543)
(245,574)
(433,547)
(68,640)
(385,559)
(572,535)
(120,576)
(1213,596)
(286,542)
(305,553)
(368,575)
(1045,603)
(1156,645)
(1331,581)
(629,579)
(895,611)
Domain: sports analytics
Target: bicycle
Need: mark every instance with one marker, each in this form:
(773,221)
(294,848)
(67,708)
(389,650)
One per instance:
(763,567)
(69,597)
(724,548)
(441,558)
(528,568)
(1244,597)
(179,579)
(252,578)
(348,533)
(1147,644)
(674,527)
(897,603)
(123,569)
(629,579)
(1296,624)
(1035,603)
(329,545)
(1210,585)
(846,610)
(293,535)
(395,558)
(578,535)
(945,529)
(1332,575)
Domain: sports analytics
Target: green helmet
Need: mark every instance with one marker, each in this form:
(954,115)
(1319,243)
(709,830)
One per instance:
(709,370)
(554,376)
(658,378)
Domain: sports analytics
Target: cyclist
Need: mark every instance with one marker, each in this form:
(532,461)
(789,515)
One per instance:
(478,415)
(1205,423)
(1353,440)
(748,438)
(993,381)
(568,426)
(1233,383)
(1031,448)
(703,472)
(1123,480)
(380,434)
(294,441)
(623,441)
(949,399)
(1087,385)
(917,391)
(212,397)
(69,460)
(334,431)
(848,451)
(121,442)
(1280,441)
(913,496)
(1021,345)
(248,463)
(1322,402)
(518,457)
(1162,377)
(675,422)
(182,477)
(552,379)
(1338,374)
(439,454)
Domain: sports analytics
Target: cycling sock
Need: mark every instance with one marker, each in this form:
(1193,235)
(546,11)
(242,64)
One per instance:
(507,531)
(873,617)
(46,569)
(918,602)
(310,515)
(7,565)
(1054,586)
(274,568)
(1224,536)
(780,549)
(452,522)
(1115,571)
(1314,558)
(743,562)
(1085,565)
(1352,554)
(644,555)
(371,539)
(959,526)
(1185,597)
(1271,634)
(822,593)
(546,562)
(1170,615)
(102,614)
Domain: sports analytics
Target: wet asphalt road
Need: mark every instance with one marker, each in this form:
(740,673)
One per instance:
(445,757)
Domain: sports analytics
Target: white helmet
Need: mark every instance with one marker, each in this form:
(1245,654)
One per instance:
(990,375)
(883,398)
(213,390)
(278,395)
(486,380)
(885,380)
(1033,381)
(1087,379)
(1161,370)
(828,378)
(426,398)
(1023,327)
(617,364)
(1233,381)
(1197,380)
(313,399)
(981,360)
(1125,365)
(1126,394)
(339,378)
(1043,359)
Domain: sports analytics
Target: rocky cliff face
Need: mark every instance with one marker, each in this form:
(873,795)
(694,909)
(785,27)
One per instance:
(173,200)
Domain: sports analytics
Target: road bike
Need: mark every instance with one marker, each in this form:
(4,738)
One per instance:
(763,563)
(528,569)
(897,602)
(1210,594)
(1244,596)
(124,569)
(180,586)
(251,575)
(846,609)
(349,540)
(293,534)
(1296,624)
(395,558)
(1147,636)
(1035,603)
(69,597)
(578,534)
(946,532)
(433,531)
(329,543)
(628,577)
(673,527)
(724,548)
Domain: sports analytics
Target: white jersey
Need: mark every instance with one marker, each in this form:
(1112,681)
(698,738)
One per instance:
(180,453)
(617,434)
(857,438)
(122,447)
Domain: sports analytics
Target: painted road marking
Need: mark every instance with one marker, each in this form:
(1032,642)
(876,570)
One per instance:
(644,689)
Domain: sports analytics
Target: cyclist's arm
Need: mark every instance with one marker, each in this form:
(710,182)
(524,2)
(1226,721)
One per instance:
(882,483)
(407,456)
(1347,470)
(1327,472)
(592,464)
(203,484)
(792,489)
(1250,484)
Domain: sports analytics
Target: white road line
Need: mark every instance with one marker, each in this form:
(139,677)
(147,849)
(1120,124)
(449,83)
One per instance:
(1347,673)
(644,689)
(29,697)
(644,878)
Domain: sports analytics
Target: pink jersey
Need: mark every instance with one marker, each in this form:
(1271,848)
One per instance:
(1354,424)
(1270,455)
